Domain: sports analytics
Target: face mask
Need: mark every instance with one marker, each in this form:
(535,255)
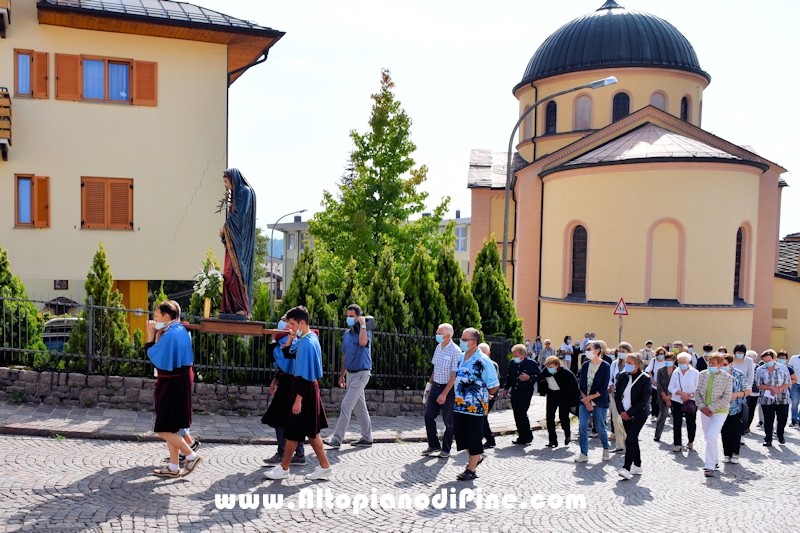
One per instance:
(691,350)
(517,360)
(527,343)
(675,350)
(706,354)
(552,370)
(713,369)
(464,346)
(740,356)
(669,364)
(161,325)
(351,321)
(629,367)
(770,364)
(661,357)
(281,325)
(589,354)
(725,368)
(683,367)
(622,355)
(781,361)
(439,339)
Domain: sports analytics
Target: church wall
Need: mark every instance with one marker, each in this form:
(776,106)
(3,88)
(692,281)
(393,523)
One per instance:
(766,237)
(786,314)
(526,281)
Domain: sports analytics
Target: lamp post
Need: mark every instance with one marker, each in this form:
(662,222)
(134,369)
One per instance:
(272,259)
(509,171)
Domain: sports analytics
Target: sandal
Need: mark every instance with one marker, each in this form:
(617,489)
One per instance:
(164,471)
(708,473)
(190,465)
(466,475)
(479,462)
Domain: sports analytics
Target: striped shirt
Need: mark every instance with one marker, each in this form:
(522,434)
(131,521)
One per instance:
(445,362)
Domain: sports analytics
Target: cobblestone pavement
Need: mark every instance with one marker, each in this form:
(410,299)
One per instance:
(115,424)
(77,485)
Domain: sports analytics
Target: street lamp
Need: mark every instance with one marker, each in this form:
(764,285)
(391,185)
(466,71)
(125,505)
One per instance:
(272,259)
(509,171)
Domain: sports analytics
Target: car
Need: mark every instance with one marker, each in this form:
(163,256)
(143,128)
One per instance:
(56,332)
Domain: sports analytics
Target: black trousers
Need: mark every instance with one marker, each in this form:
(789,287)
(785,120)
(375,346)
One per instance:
(300,451)
(487,431)
(752,407)
(654,407)
(677,424)
(556,400)
(732,434)
(520,403)
(770,411)
(432,410)
(632,453)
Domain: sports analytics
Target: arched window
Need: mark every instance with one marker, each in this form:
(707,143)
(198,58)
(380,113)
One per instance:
(579,248)
(658,100)
(526,125)
(583,113)
(550,118)
(685,111)
(622,106)
(737,273)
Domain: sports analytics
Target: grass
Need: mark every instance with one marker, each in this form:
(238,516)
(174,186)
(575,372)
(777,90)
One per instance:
(59,437)
(244,412)
(88,402)
(17,397)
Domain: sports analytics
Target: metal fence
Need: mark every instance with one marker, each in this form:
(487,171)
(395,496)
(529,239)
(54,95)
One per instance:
(400,360)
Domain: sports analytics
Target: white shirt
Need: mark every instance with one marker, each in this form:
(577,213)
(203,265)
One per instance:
(566,349)
(747,367)
(684,382)
(652,368)
(626,394)
(615,370)
(794,362)
(551,383)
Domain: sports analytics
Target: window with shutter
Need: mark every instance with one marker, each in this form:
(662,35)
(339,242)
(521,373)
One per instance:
(93,203)
(68,86)
(107,203)
(41,202)
(145,83)
(23,65)
(40,75)
(120,194)
(32,201)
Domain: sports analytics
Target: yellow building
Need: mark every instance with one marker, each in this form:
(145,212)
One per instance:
(626,196)
(119,136)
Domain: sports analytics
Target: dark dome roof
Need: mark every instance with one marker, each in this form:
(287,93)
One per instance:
(612,36)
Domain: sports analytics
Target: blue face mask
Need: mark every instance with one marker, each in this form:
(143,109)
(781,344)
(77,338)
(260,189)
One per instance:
(690,350)
(661,357)
(713,369)
(439,338)
(781,361)
(622,355)
(770,364)
(683,367)
(281,325)
(552,370)
(464,346)
(517,360)
(725,368)
(351,321)
(669,364)
(739,356)
(629,367)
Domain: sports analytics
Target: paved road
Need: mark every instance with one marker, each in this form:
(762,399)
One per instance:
(98,485)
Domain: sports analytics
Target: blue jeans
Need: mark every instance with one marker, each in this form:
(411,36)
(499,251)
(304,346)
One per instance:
(794,391)
(599,414)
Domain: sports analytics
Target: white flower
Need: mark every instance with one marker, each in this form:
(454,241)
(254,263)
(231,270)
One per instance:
(213,272)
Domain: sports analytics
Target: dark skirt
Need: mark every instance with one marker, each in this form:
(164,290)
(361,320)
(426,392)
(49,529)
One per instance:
(468,432)
(173,403)
(311,419)
(279,408)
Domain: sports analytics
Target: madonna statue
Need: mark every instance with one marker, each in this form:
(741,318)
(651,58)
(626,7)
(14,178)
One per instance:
(239,237)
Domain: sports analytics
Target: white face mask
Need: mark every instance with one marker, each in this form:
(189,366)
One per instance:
(161,325)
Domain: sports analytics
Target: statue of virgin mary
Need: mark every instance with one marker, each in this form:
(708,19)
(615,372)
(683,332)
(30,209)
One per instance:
(239,237)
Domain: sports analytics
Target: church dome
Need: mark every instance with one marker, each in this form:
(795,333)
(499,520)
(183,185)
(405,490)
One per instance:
(612,36)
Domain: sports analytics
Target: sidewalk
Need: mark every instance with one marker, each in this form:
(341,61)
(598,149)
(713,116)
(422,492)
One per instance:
(117,424)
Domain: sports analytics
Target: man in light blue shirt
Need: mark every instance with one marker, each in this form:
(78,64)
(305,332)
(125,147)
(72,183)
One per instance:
(354,376)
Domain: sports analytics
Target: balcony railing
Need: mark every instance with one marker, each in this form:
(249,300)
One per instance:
(5,120)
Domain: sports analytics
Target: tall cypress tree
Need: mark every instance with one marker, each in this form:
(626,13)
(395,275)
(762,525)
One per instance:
(386,301)
(457,292)
(489,287)
(305,288)
(351,291)
(426,305)
(21,324)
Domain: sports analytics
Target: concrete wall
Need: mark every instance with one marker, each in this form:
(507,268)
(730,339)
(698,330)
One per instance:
(786,303)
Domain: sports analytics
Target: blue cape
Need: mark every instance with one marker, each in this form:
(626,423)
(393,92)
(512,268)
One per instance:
(308,364)
(242,225)
(173,350)
(287,365)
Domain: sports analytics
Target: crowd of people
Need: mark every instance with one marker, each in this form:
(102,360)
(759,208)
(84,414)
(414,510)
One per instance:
(613,392)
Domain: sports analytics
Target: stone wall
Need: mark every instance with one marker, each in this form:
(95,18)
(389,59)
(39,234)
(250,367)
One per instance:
(60,388)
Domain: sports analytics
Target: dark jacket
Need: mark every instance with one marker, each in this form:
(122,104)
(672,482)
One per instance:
(599,385)
(640,394)
(567,385)
(526,366)
(662,380)
(701,363)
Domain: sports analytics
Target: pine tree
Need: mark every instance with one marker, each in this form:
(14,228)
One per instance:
(305,288)
(350,292)
(21,325)
(461,305)
(386,301)
(426,305)
(161,296)
(489,287)
(110,331)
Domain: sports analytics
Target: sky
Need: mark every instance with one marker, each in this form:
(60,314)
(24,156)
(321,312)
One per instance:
(454,65)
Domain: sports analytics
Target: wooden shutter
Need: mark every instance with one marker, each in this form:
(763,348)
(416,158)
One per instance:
(120,193)
(145,83)
(68,79)
(39,75)
(93,203)
(41,202)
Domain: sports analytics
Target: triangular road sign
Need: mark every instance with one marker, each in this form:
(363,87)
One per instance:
(622,309)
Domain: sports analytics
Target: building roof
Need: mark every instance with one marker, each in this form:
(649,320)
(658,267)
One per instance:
(788,256)
(612,36)
(488,169)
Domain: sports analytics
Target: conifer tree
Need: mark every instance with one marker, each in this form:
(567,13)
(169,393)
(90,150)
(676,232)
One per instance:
(305,288)
(21,324)
(386,301)
(426,305)
(489,287)
(461,305)
(350,292)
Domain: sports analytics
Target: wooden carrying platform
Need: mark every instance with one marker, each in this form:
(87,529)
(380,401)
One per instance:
(233,327)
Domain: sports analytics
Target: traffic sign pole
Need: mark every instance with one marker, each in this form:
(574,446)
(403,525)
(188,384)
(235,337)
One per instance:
(621,310)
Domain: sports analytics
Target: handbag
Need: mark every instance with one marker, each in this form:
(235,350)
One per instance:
(689,406)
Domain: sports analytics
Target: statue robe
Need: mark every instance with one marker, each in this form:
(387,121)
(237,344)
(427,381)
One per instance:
(240,243)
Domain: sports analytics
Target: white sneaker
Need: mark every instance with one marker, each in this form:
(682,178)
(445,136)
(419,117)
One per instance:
(637,470)
(624,474)
(320,473)
(581,458)
(277,473)
(606,455)
(726,459)
(741,441)
(734,460)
